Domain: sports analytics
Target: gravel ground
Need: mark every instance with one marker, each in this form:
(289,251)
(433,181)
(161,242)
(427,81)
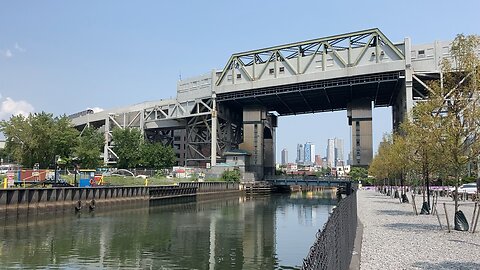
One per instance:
(395,238)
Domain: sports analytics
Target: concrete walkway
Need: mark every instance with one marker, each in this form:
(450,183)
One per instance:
(395,238)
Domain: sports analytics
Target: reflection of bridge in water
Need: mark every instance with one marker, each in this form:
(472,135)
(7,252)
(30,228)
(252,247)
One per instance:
(237,107)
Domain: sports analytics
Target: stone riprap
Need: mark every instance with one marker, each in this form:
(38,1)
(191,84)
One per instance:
(395,238)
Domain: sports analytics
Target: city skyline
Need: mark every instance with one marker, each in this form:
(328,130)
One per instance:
(382,123)
(305,154)
(313,152)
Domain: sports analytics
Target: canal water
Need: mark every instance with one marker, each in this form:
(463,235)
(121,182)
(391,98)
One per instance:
(239,232)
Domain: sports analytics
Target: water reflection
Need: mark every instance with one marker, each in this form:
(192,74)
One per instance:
(265,232)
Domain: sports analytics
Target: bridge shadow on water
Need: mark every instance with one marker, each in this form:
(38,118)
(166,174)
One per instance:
(447,265)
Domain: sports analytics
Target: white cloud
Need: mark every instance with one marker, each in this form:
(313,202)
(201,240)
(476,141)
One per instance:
(8,53)
(9,107)
(97,109)
(18,48)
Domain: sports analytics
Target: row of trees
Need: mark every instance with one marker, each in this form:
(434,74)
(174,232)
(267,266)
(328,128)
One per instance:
(40,137)
(442,137)
(133,151)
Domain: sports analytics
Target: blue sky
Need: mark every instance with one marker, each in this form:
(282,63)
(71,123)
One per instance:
(65,56)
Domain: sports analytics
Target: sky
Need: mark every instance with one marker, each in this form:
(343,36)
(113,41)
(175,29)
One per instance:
(65,56)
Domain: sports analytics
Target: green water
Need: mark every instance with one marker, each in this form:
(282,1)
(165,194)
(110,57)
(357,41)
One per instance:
(261,232)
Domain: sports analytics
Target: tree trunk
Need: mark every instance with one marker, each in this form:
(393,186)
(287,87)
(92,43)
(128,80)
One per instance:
(424,183)
(402,184)
(428,188)
(457,181)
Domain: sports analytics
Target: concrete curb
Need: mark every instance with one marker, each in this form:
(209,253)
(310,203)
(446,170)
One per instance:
(357,247)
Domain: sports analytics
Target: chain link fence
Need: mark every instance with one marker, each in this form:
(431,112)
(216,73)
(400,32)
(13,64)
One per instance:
(334,243)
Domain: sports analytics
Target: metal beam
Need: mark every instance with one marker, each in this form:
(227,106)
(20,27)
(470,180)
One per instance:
(297,49)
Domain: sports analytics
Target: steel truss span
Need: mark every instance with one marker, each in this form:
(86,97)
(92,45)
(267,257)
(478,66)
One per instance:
(340,51)
(230,109)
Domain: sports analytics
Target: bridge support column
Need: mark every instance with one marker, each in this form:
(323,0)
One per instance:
(106,135)
(269,140)
(359,113)
(404,102)
(213,145)
(258,140)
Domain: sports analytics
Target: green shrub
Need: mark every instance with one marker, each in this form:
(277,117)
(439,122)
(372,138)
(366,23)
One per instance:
(231,176)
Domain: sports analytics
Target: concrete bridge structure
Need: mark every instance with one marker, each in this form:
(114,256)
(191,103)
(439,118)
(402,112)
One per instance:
(237,107)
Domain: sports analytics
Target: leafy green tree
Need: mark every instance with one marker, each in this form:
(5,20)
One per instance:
(459,94)
(18,140)
(231,176)
(127,145)
(89,148)
(38,138)
(133,151)
(400,158)
(323,172)
(65,137)
(4,155)
(157,156)
(421,139)
(358,173)
(381,167)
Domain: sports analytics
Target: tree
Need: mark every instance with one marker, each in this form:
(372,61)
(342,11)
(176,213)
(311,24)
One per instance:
(4,156)
(393,159)
(89,148)
(231,176)
(127,145)
(445,132)
(17,132)
(457,100)
(422,136)
(358,173)
(65,137)
(380,166)
(133,151)
(38,138)
(157,156)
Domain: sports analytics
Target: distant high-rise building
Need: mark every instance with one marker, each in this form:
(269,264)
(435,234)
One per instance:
(309,157)
(331,153)
(300,154)
(284,156)
(312,154)
(338,151)
(318,160)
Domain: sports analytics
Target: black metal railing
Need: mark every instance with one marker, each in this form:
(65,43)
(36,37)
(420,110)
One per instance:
(334,243)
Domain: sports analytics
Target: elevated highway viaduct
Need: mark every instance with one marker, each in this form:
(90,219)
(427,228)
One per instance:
(237,107)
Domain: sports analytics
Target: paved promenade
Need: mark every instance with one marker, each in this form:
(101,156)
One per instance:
(395,238)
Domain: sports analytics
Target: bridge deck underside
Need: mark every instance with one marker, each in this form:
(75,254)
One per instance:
(320,96)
